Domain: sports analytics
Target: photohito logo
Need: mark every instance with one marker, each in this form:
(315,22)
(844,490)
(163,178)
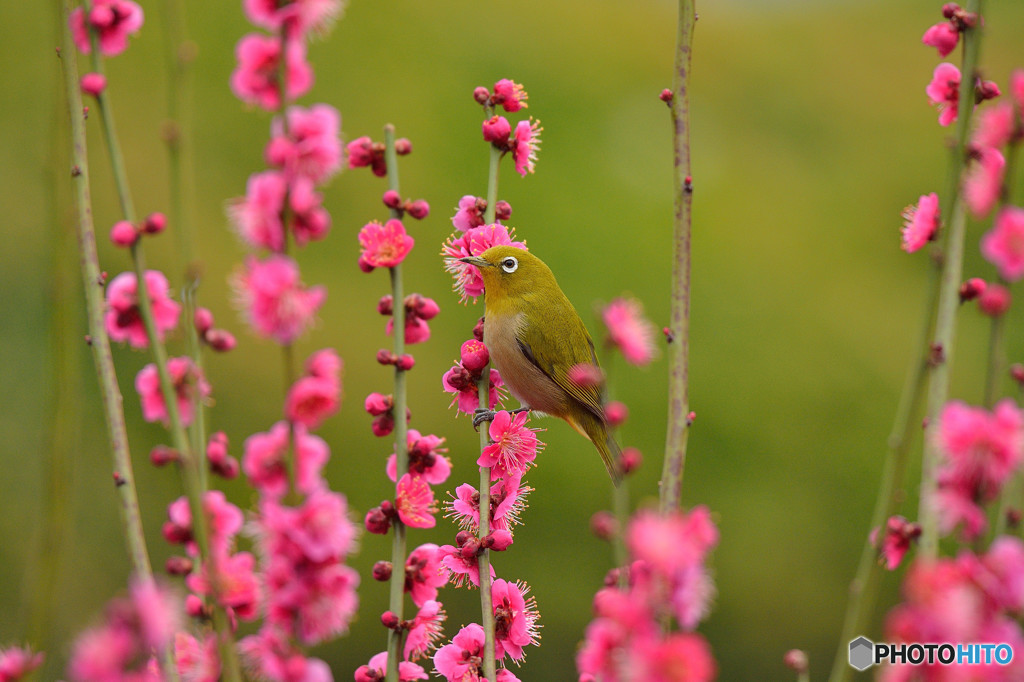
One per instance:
(864,653)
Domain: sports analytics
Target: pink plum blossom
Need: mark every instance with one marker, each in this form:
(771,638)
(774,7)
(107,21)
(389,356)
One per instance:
(921,222)
(473,242)
(425,631)
(198,661)
(982,448)
(264,456)
(629,330)
(527,144)
(899,535)
(309,221)
(415,502)
(943,37)
(510,95)
(983,181)
(273,299)
(189,385)
(514,446)
(376,670)
(515,618)
(462,570)
(233,584)
(997,125)
(384,246)
(123,319)
(112,20)
(312,399)
(18,662)
(459,661)
(255,79)
(424,573)
(298,16)
(470,213)
(271,656)
(310,145)
(426,458)
(257,216)
(1004,244)
(944,92)
(461,382)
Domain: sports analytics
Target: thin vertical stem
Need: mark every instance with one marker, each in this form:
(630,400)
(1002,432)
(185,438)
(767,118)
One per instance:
(952,271)
(679,350)
(399,542)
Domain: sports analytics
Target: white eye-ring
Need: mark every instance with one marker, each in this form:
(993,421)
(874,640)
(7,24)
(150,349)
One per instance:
(509,264)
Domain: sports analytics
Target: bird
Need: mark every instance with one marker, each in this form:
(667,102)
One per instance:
(535,338)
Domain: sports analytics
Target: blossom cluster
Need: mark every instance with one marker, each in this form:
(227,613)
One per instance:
(666,581)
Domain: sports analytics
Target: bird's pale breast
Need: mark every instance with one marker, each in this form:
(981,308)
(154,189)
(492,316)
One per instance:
(524,379)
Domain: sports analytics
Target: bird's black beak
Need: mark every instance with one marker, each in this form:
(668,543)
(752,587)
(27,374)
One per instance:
(475,260)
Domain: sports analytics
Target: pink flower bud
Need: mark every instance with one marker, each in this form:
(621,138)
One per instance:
(950,9)
(93,83)
(226,469)
(403,146)
(795,660)
(123,233)
(194,607)
(386,357)
(470,549)
(155,223)
(498,540)
(217,447)
(203,320)
(174,534)
(478,330)
(377,522)
(392,199)
(585,375)
(616,413)
(1017,372)
(497,129)
(475,355)
(995,300)
(389,620)
(178,565)
(382,571)
(481,95)
(426,308)
(985,90)
(378,403)
(220,340)
(631,460)
(462,537)
(502,210)
(666,96)
(162,455)
(604,525)
(419,209)
(384,305)
(405,363)
(971,289)
(383,425)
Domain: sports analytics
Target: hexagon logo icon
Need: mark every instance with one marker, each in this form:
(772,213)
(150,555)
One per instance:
(862,653)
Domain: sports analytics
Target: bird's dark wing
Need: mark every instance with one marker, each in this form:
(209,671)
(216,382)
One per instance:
(556,346)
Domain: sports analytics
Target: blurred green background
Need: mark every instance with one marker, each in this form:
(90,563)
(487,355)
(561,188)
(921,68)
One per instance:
(811,132)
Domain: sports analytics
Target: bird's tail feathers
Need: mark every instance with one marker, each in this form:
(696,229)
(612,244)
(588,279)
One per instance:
(597,431)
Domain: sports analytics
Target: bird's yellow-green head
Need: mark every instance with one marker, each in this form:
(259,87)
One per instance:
(512,273)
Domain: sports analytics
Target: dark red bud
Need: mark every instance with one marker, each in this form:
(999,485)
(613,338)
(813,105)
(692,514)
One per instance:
(226,469)
(385,306)
(1017,372)
(498,540)
(418,209)
(502,210)
(462,537)
(470,549)
(383,425)
(364,265)
(950,9)
(478,330)
(389,620)
(155,223)
(666,96)
(631,460)
(392,199)
(220,340)
(178,565)
(604,525)
(481,95)
(971,289)
(162,455)
(386,357)
(405,363)
(382,571)
(403,146)
(985,90)
(377,522)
